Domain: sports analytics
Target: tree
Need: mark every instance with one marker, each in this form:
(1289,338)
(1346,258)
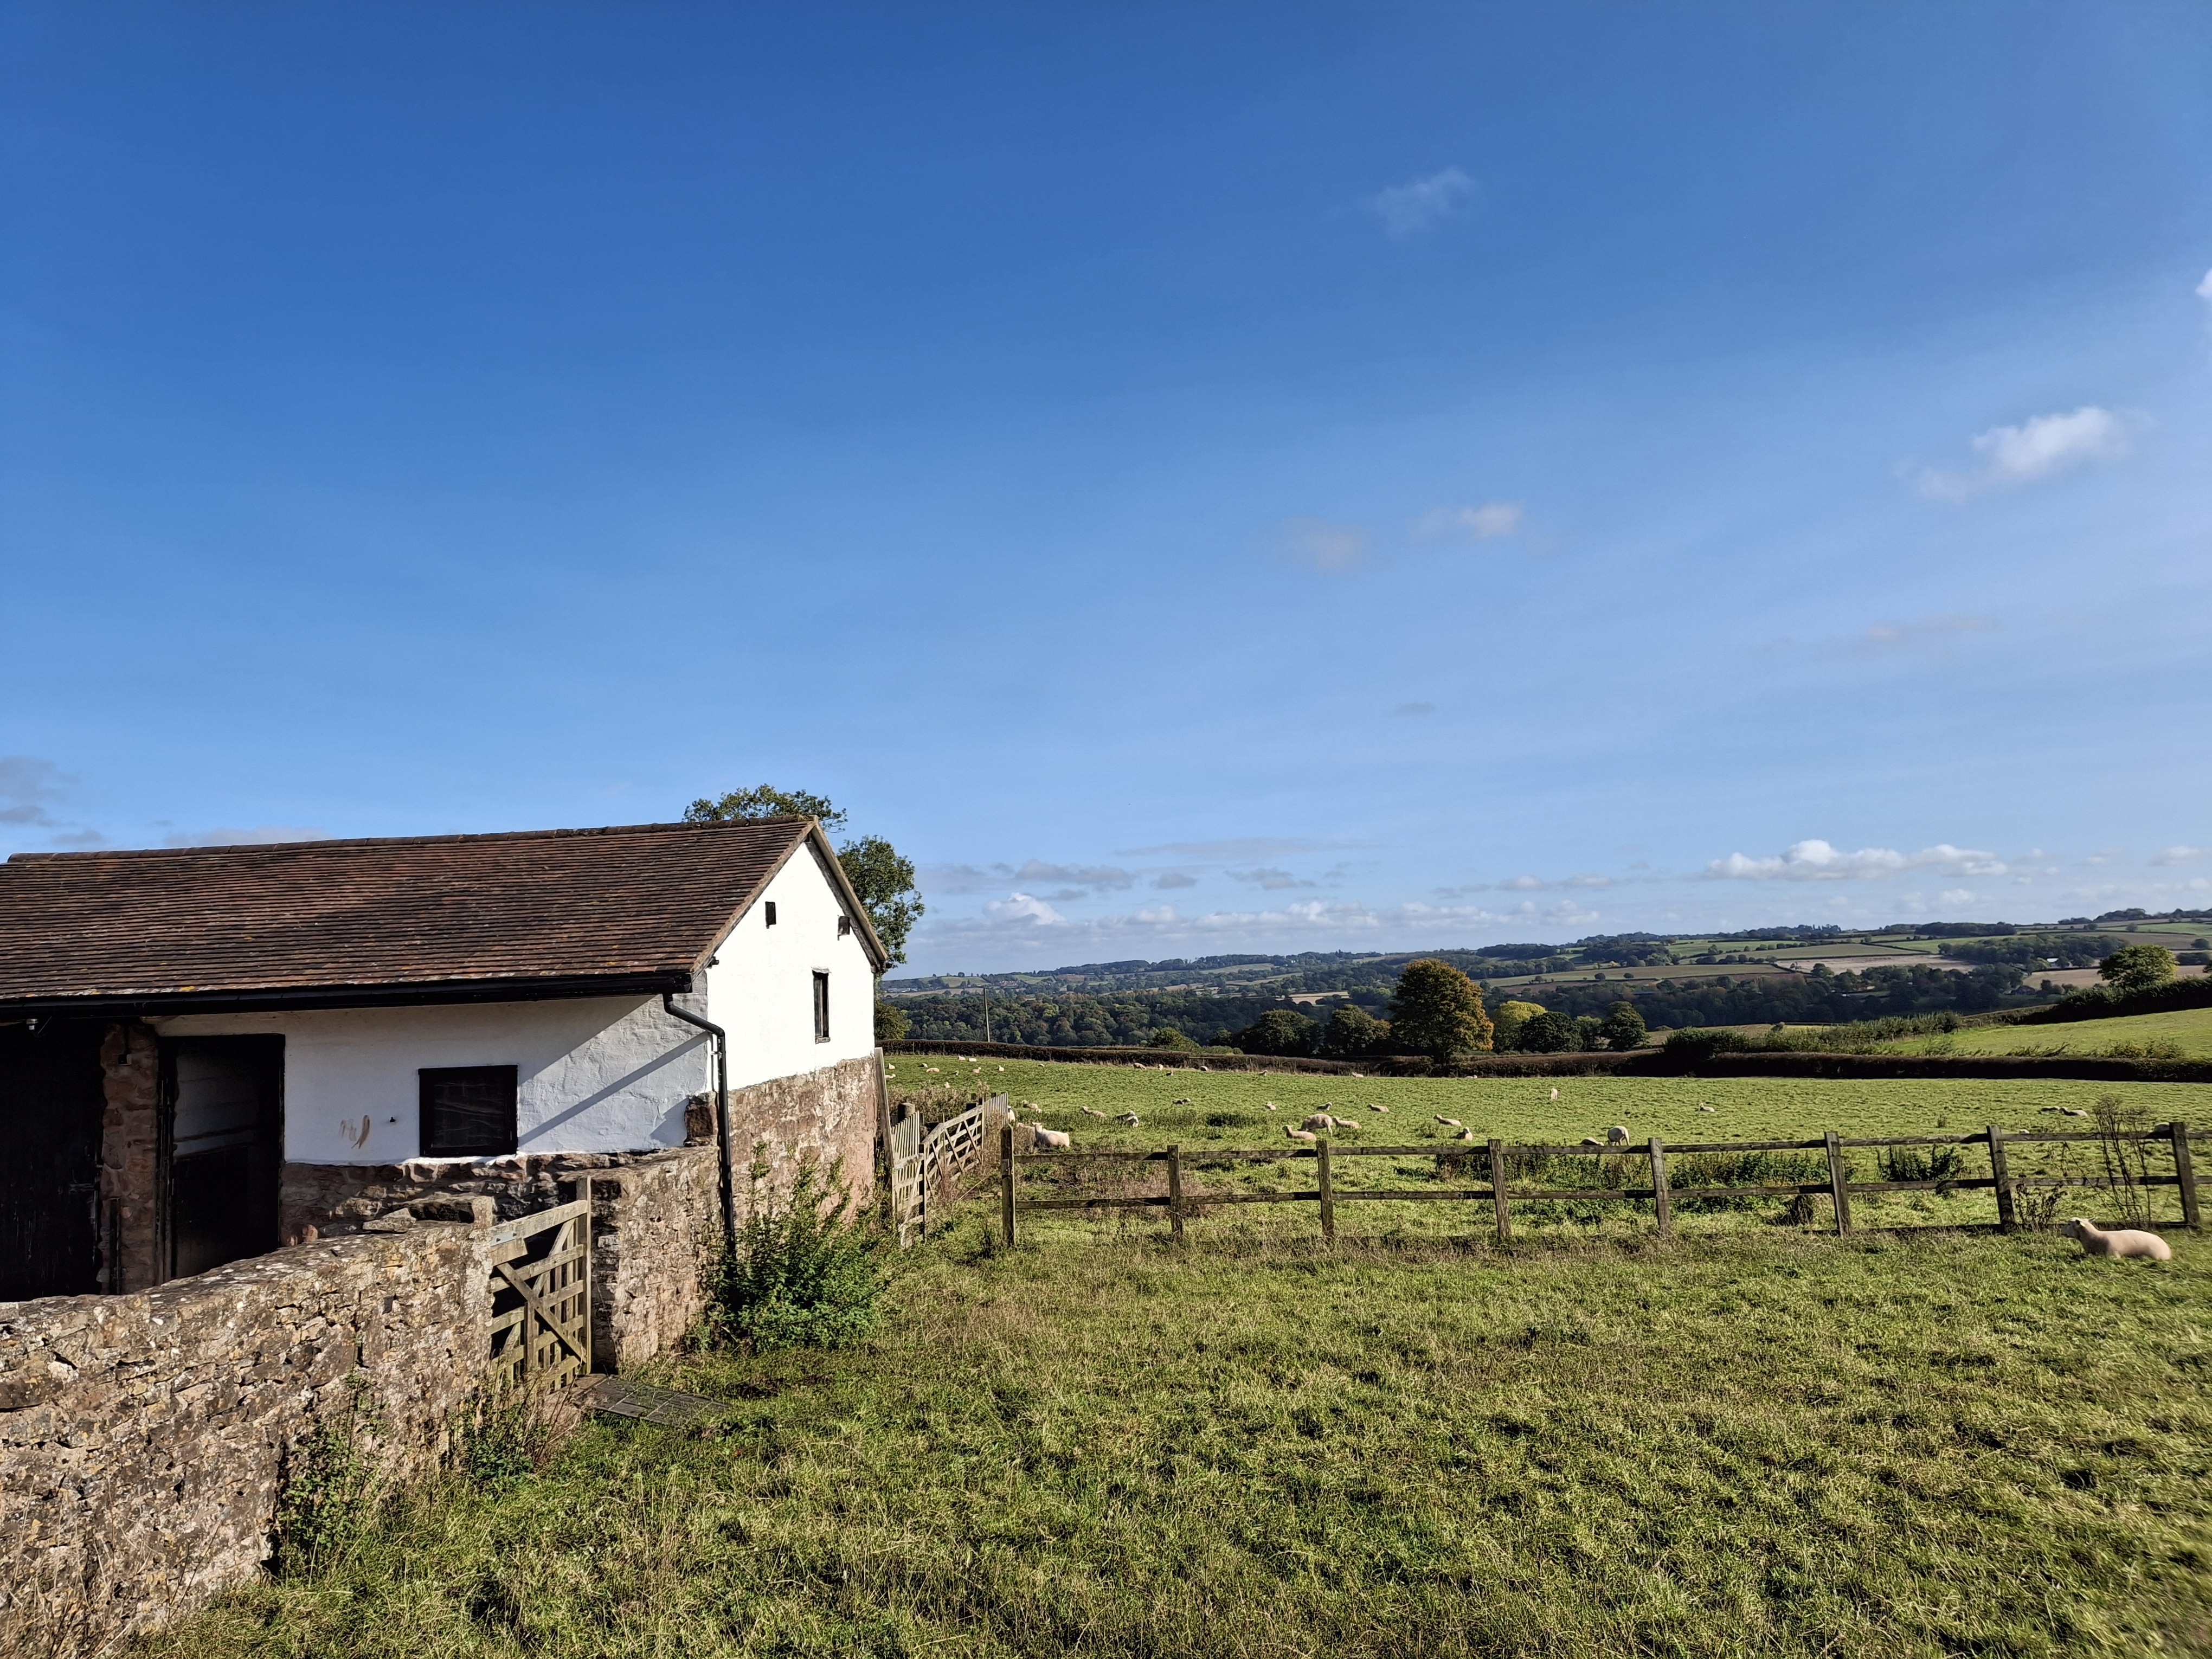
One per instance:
(1278,1031)
(1168,1038)
(884,881)
(1512,1014)
(1624,1028)
(891,1023)
(1550,1033)
(2137,968)
(1436,1011)
(1352,1031)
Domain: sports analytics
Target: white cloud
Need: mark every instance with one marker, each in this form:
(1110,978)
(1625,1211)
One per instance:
(1954,896)
(2038,447)
(1474,523)
(1321,546)
(1022,908)
(1816,860)
(2204,289)
(2180,855)
(1407,209)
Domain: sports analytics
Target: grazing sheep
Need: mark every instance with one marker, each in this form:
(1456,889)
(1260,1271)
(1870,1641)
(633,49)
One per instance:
(1555,1094)
(1592,1140)
(1318,1120)
(1345,1123)
(1617,1136)
(1705,1108)
(1272,1107)
(1300,1134)
(2119,1242)
(1129,1118)
(1372,1106)
(1184,1102)
(1464,1134)
(2072,1111)
(1056,1140)
(1452,1122)
(1093,1111)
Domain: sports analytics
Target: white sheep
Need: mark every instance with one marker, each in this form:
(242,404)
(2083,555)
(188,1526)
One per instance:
(1451,1122)
(1057,1141)
(1272,1107)
(1093,1111)
(1555,1094)
(1705,1108)
(1592,1140)
(1184,1102)
(2119,1242)
(1318,1120)
(1617,1136)
(1299,1134)
(2072,1111)
(1372,1106)
(1129,1118)
(1464,1134)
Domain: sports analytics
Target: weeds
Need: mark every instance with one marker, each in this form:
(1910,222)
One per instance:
(331,1487)
(2123,1146)
(806,1273)
(503,1438)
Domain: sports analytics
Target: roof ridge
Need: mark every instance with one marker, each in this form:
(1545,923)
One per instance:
(397,841)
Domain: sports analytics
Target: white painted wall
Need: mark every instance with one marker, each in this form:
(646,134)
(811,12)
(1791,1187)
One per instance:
(761,989)
(596,1074)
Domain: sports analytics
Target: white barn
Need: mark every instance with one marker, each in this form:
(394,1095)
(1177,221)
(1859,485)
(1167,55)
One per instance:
(207,1052)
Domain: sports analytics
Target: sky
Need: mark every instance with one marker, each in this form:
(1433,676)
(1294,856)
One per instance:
(1196,478)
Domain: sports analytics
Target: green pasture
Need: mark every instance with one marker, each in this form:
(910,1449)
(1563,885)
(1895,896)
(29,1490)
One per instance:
(2188,1030)
(1768,1444)
(1228,1109)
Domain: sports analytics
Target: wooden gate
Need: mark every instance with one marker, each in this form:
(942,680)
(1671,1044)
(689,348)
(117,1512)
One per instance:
(908,1192)
(541,1287)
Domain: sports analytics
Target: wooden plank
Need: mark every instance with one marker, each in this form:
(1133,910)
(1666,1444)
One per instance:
(554,1324)
(1839,1183)
(529,1226)
(2185,1176)
(1500,1204)
(2006,1219)
(1006,1176)
(1661,1210)
(1174,1191)
(1327,1194)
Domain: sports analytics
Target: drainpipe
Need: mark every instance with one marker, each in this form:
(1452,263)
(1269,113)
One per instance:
(721,1114)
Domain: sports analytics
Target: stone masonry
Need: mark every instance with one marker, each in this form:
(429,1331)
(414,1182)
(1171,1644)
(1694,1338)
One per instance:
(130,1158)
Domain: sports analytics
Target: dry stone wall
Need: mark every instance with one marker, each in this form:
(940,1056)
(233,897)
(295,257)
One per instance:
(144,1437)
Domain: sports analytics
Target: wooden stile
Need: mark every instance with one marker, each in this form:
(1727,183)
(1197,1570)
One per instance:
(1498,1200)
(2007,1218)
(2185,1176)
(1661,1208)
(1839,1184)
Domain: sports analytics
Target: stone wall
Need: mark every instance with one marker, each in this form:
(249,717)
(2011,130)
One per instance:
(144,1437)
(130,1221)
(832,1115)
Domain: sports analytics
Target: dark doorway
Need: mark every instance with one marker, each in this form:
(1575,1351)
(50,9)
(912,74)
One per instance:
(223,1121)
(51,1100)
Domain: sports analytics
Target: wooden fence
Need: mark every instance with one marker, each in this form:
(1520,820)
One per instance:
(1838,1187)
(541,1287)
(928,1164)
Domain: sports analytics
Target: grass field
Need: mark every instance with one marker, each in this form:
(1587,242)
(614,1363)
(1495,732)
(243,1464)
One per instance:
(1228,1109)
(2188,1030)
(1767,1444)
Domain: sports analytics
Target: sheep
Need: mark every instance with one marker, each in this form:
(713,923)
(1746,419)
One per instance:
(2119,1242)
(1318,1120)
(1705,1108)
(2072,1111)
(1056,1140)
(1464,1134)
(1129,1118)
(1451,1122)
(1093,1111)
(1617,1136)
(1592,1140)
(1555,1094)
(1299,1134)
(1272,1107)
(1372,1106)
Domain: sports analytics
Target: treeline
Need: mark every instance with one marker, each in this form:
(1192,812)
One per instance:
(1081,1019)
(1817,998)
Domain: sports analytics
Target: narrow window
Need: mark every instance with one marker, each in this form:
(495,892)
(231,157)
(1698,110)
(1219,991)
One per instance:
(844,928)
(771,913)
(821,1007)
(468,1111)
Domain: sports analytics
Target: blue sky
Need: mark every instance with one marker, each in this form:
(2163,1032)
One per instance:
(1198,478)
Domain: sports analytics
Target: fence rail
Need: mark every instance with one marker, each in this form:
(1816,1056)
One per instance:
(1661,1194)
(541,1288)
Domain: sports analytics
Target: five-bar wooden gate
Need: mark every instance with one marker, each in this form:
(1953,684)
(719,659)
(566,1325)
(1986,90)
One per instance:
(541,1286)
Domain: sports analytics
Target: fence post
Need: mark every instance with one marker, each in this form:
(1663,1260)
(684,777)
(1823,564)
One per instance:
(1328,1195)
(2184,1173)
(1497,1192)
(2007,1219)
(1007,1183)
(1174,1191)
(1839,1185)
(1662,1202)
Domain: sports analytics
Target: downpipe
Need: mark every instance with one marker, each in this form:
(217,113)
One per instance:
(721,1116)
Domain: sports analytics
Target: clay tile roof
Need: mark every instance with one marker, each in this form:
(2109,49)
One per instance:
(543,908)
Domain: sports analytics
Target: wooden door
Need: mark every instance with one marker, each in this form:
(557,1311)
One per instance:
(223,1145)
(50,1105)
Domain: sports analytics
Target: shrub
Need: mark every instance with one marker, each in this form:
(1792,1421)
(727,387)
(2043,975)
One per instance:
(1550,1033)
(807,1273)
(1169,1037)
(331,1488)
(1694,1043)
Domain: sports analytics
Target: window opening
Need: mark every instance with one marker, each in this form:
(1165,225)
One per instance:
(771,913)
(844,927)
(821,1007)
(468,1111)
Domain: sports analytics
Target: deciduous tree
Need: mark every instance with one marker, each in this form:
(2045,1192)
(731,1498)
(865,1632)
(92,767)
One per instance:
(1436,1011)
(883,880)
(2137,968)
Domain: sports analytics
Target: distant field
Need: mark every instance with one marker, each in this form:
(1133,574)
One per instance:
(2190,1029)
(1228,1109)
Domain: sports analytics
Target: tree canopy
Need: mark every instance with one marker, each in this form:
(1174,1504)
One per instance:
(1623,1027)
(1352,1031)
(1278,1031)
(1436,1011)
(2137,968)
(883,880)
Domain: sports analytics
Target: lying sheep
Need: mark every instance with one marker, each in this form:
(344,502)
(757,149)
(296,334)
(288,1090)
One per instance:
(1372,1106)
(1272,1107)
(1318,1120)
(2119,1242)
(1555,1094)
(1093,1111)
(1464,1134)
(1451,1122)
(1617,1136)
(1129,1118)
(1055,1140)
(1299,1134)
(1705,1108)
